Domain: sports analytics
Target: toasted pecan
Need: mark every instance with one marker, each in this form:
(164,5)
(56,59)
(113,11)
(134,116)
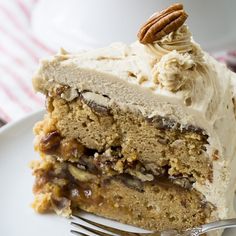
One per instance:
(163,23)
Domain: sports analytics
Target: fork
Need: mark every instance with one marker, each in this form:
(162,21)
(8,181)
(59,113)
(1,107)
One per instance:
(94,228)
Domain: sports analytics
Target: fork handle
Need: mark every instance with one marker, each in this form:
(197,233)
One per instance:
(221,224)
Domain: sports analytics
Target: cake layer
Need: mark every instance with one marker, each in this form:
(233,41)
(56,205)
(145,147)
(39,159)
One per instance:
(122,138)
(157,204)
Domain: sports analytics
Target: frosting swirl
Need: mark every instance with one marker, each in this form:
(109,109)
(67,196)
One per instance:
(173,70)
(179,40)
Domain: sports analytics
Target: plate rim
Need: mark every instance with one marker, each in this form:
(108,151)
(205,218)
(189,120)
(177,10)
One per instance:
(10,125)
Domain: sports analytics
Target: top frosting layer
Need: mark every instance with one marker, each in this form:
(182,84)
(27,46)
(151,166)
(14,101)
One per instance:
(174,69)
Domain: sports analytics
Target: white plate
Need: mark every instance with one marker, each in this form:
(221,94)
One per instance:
(16,216)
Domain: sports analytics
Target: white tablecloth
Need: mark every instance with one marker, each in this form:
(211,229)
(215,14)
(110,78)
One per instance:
(20,53)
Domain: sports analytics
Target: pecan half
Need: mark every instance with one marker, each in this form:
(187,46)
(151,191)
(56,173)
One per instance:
(163,23)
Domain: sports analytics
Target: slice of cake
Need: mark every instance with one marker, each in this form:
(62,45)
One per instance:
(143,133)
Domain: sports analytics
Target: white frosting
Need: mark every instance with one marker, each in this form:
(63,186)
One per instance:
(191,88)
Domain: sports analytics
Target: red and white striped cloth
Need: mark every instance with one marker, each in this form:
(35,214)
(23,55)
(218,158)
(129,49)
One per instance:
(20,53)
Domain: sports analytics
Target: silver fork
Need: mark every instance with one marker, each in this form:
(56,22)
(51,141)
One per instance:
(94,228)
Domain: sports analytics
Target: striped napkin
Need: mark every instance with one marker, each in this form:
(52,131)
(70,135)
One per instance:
(20,53)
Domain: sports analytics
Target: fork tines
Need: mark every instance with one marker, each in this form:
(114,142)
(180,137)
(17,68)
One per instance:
(85,227)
